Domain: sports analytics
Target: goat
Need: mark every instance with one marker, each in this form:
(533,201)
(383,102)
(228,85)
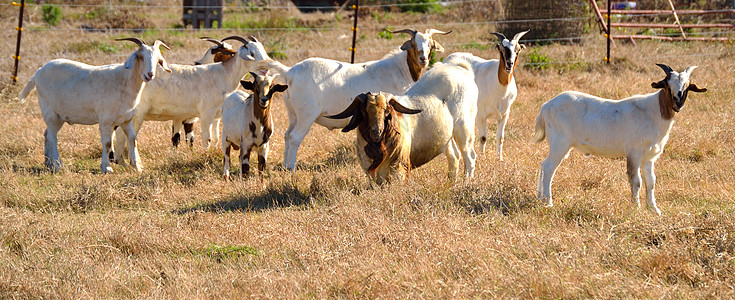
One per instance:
(437,114)
(77,93)
(247,123)
(194,91)
(497,86)
(321,87)
(636,127)
(220,52)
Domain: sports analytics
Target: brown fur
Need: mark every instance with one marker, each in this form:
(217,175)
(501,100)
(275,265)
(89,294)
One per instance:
(389,144)
(222,54)
(666,103)
(412,58)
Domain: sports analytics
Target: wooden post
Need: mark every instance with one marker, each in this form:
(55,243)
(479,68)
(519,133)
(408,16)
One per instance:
(609,31)
(673,10)
(599,16)
(17,45)
(356,7)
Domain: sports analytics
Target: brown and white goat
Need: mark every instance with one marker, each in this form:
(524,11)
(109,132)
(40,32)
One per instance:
(636,128)
(247,123)
(381,135)
(446,96)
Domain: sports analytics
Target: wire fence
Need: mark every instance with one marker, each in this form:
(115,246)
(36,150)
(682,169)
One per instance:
(461,45)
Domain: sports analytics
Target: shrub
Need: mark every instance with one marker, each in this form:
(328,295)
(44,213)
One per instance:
(51,14)
(538,61)
(422,6)
(386,33)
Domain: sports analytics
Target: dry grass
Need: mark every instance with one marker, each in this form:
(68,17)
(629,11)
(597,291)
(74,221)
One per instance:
(179,231)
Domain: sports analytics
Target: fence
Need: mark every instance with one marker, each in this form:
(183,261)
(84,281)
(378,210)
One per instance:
(366,28)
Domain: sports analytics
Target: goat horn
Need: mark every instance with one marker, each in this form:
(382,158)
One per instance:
(690,69)
(209,39)
(518,36)
(500,36)
(134,40)
(412,32)
(237,38)
(159,43)
(253,39)
(430,32)
(666,68)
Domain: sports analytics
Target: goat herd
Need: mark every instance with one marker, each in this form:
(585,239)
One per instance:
(405,114)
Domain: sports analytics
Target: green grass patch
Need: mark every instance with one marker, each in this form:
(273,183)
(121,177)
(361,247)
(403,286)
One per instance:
(386,33)
(537,60)
(475,45)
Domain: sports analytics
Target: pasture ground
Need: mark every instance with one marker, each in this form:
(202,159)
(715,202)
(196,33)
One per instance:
(178,230)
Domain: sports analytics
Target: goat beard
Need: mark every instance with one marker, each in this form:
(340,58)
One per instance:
(388,143)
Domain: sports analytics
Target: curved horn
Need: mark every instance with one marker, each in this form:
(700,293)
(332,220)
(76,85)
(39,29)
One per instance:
(253,39)
(518,36)
(500,36)
(159,43)
(666,69)
(237,38)
(209,39)
(412,32)
(134,40)
(431,31)
(690,69)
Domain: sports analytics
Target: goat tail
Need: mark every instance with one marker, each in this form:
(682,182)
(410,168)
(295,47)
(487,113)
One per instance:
(28,89)
(540,128)
(277,67)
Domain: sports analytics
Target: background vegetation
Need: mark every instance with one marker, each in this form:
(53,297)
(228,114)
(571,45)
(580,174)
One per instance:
(178,230)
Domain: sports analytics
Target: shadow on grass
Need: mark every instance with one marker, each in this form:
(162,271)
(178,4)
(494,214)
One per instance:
(507,200)
(188,171)
(340,157)
(273,197)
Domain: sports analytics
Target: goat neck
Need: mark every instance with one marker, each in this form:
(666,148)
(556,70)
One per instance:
(666,104)
(235,69)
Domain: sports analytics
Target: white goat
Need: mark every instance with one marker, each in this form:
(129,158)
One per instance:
(321,87)
(440,118)
(247,123)
(77,93)
(497,86)
(220,52)
(194,91)
(636,128)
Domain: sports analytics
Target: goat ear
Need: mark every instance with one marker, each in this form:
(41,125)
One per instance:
(437,47)
(250,86)
(402,109)
(694,88)
(406,45)
(130,62)
(659,85)
(521,47)
(279,88)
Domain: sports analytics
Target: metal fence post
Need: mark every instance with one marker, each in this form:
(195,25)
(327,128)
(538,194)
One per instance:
(609,30)
(356,7)
(17,45)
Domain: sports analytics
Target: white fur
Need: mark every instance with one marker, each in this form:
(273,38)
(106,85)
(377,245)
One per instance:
(632,127)
(77,93)
(494,99)
(446,96)
(193,91)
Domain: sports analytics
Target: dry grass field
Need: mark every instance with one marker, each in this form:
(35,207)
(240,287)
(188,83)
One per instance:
(178,230)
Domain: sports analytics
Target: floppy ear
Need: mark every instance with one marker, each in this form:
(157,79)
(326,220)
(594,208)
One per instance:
(250,86)
(437,47)
(279,88)
(406,45)
(694,88)
(402,109)
(130,62)
(659,85)
(521,47)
